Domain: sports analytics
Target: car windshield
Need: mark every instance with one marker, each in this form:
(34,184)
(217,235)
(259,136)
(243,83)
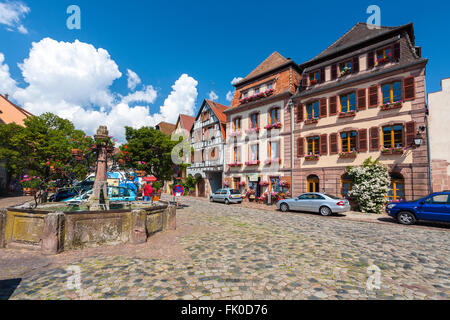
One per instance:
(234,191)
(332,197)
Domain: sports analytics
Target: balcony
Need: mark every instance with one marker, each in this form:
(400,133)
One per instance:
(391,106)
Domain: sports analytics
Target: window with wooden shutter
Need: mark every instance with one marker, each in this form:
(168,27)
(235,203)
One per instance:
(362,140)
(355,64)
(322,75)
(374,139)
(323,108)
(334,149)
(396,51)
(323,145)
(361,99)
(409,89)
(300,108)
(410,133)
(370,60)
(333,106)
(334,72)
(300,147)
(305,80)
(373,96)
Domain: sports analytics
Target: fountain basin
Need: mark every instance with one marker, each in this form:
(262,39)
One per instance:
(54,228)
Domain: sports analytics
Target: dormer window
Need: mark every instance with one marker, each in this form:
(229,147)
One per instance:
(314,78)
(384,56)
(269,86)
(345,68)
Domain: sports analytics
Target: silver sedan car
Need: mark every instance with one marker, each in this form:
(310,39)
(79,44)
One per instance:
(226,196)
(322,203)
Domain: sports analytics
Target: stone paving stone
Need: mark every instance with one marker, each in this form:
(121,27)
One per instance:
(230,252)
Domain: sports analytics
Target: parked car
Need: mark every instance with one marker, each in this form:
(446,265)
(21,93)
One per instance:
(63,194)
(434,207)
(322,203)
(114,194)
(226,196)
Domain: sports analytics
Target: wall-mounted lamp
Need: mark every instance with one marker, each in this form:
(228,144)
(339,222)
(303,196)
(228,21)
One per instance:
(418,140)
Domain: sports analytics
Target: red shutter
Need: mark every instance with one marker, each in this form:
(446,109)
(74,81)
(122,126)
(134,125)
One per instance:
(300,147)
(323,108)
(334,143)
(374,139)
(409,89)
(355,64)
(305,81)
(373,96)
(300,108)
(362,140)
(370,60)
(361,99)
(334,72)
(410,133)
(396,51)
(322,75)
(333,106)
(323,145)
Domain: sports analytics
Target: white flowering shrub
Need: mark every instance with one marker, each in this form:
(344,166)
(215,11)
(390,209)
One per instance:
(371,183)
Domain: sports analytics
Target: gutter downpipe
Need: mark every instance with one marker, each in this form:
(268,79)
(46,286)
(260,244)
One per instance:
(430,171)
(291,110)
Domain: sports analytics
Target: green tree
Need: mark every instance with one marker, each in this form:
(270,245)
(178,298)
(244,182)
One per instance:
(149,150)
(371,183)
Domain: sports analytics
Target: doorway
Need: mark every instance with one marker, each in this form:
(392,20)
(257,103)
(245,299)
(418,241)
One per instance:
(313,183)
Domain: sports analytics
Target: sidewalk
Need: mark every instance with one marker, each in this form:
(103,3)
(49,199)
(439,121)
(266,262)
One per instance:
(350,216)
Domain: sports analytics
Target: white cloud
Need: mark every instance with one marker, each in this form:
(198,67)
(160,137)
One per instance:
(213,96)
(133,79)
(73,80)
(230,96)
(7,84)
(181,100)
(148,95)
(236,80)
(11,14)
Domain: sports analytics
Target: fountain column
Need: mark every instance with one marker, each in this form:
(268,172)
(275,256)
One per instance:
(99,199)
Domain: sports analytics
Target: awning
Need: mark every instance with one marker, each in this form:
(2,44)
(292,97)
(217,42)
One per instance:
(149,179)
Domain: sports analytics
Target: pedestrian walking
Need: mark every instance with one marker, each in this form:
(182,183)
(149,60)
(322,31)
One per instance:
(148,192)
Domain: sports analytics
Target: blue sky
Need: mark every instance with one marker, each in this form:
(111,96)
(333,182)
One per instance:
(215,41)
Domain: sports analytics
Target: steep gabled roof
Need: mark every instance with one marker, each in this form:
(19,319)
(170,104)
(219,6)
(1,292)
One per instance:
(273,61)
(22,110)
(359,33)
(218,110)
(187,121)
(165,127)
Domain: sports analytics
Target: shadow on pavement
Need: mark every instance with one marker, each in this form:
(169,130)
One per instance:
(7,288)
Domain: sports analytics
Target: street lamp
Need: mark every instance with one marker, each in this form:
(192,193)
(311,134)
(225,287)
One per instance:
(418,140)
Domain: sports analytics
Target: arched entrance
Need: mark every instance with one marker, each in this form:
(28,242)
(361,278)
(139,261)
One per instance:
(397,188)
(313,183)
(201,185)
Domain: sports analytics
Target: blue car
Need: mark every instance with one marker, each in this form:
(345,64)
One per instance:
(435,207)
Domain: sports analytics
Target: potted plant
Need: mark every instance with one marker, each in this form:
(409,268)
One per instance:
(348,154)
(157,190)
(312,157)
(30,185)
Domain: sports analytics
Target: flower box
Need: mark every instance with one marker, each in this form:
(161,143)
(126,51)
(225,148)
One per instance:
(29,191)
(272,161)
(311,121)
(347,114)
(252,163)
(345,72)
(242,183)
(313,82)
(393,151)
(258,96)
(273,126)
(252,130)
(390,106)
(351,154)
(312,157)
(264,183)
(235,164)
(385,59)
(235,134)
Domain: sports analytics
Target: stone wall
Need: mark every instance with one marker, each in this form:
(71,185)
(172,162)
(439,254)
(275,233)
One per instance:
(54,232)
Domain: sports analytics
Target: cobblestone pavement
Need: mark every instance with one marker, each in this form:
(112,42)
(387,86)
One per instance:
(230,252)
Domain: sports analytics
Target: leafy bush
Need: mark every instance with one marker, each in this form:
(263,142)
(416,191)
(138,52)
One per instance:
(371,183)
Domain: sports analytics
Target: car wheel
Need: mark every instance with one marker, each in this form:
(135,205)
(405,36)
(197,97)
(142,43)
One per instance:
(325,211)
(406,218)
(284,207)
(211,199)
(227,202)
